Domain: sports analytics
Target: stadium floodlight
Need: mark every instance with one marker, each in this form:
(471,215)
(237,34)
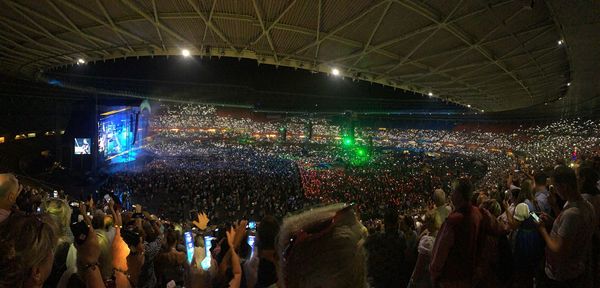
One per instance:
(80,61)
(561,42)
(185,53)
(568,83)
(430,94)
(335,72)
(482,111)
(469,105)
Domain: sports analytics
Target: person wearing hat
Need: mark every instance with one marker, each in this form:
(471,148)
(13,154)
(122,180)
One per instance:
(527,246)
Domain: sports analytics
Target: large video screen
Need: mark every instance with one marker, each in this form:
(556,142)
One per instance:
(118,139)
(82,146)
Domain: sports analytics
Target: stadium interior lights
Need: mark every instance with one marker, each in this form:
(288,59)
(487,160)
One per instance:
(430,94)
(561,42)
(185,52)
(335,72)
(568,83)
(80,61)
(469,105)
(482,111)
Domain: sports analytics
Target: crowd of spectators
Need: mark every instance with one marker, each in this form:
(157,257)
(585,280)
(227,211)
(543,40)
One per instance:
(428,209)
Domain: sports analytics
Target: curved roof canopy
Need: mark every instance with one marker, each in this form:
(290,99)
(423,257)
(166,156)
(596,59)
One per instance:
(492,55)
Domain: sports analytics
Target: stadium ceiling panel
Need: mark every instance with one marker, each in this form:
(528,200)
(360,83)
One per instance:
(493,55)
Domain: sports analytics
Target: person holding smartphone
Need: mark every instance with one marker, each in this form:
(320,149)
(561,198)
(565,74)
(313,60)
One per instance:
(569,243)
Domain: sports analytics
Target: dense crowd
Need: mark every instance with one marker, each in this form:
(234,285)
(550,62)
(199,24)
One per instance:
(542,232)
(226,202)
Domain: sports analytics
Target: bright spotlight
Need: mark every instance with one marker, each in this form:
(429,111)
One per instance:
(482,110)
(185,53)
(469,105)
(568,83)
(335,72)
(561,42)
(430,94)
(80,61)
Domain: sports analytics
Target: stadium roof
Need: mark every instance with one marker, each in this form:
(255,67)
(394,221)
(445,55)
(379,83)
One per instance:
(491,55)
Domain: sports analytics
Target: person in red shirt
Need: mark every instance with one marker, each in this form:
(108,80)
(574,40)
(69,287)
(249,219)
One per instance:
(457,248)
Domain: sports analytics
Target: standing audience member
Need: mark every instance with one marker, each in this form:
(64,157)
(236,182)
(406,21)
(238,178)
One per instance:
(420,277)
(442,210)
(170,265)
(65,253)
(569,243)
(589,187)
(409,233)
(455,253)
(265,273)
(386,261)
(541,192)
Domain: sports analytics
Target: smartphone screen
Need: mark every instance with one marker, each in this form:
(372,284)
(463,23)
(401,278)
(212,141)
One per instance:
(207,260)
(252,225)
(251,241)
(189,245)
(536,218)
(55,194)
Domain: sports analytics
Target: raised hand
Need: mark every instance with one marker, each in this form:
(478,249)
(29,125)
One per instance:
(231,235)
(202,221)
(240,232)
(89,251)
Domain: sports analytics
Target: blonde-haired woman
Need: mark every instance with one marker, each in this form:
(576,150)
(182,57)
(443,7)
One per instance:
(26,253)
(65,254)
(420,276)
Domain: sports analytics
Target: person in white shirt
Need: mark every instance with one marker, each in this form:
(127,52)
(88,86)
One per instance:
(9,191)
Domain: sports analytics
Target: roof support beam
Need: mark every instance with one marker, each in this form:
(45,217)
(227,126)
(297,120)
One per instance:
(338,29)
(69,45)
(148,18)
(503,24)
(471,46)
(429,13)
(46,56)
(439,26)
(46,18)
(73,25)
(211,25)
(262,26)
(264,32)
(37,43)
(162,42)
(210,16)
(112,25)
(375,28)
(320,7)
(508,53)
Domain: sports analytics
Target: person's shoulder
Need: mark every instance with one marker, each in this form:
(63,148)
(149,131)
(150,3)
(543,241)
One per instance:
(455,218)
